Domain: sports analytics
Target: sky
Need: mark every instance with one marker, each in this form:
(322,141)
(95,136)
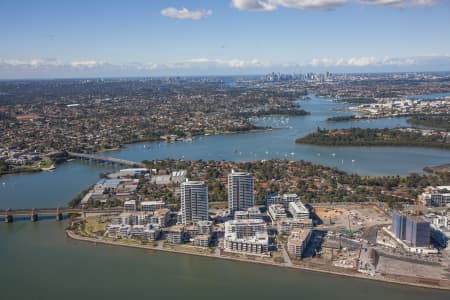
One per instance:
(102,38)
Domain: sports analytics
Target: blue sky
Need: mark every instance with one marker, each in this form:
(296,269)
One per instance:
(193,37)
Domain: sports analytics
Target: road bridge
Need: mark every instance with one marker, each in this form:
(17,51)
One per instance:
(106,159)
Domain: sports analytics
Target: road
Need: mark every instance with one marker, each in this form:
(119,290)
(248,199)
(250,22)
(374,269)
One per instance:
(286,258)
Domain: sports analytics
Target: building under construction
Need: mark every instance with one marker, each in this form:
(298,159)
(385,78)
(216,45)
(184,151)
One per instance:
(413,230)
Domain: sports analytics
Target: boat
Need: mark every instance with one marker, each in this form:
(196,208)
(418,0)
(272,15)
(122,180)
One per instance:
(333,154)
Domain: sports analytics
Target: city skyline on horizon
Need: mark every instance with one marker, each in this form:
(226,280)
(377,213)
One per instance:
(80,39)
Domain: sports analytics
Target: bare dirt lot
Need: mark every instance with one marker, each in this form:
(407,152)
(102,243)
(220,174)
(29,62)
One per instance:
(355,217)
(395,266)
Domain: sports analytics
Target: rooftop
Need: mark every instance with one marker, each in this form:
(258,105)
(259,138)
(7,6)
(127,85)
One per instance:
(298,207)
(298,236)
(108,182)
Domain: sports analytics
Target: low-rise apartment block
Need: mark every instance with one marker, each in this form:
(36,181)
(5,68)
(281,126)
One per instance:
(160,217)
(204,227)
(176,235)
(251,213)
(298,241)
(149,206)
(130,205)
(284,199)
(298,210)
(439,196)
(202,240)
(247,236)
(277,211)
(286,225)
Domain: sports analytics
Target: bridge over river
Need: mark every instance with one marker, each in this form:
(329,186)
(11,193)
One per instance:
(33,214)
(106,159)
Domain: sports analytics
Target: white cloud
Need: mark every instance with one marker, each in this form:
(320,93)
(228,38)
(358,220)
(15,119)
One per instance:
(35,62)
(254,5)
(311,4)
(271,5)
(362,61)
(371,61)
(84,64)
(186,14)
(400,3)
(42,68)
(231,63)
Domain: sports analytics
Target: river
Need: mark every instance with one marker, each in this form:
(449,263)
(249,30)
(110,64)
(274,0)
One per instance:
(281,144)
(39,262)
(50,189)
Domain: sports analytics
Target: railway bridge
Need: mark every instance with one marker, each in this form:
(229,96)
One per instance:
(9,215)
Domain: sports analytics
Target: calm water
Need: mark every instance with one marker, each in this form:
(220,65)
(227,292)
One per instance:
(50,189)
(39,262)
(281,144)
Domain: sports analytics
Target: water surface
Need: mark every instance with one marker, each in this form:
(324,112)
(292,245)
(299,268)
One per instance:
(39,262)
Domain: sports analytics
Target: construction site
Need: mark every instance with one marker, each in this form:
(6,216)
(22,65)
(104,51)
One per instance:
(350,219)
(362,238)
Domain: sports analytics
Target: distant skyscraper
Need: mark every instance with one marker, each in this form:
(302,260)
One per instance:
(240,191)
(194,202)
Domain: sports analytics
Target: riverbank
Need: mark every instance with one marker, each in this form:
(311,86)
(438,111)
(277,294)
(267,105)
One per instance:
(21,171)
(74,236)
(437,122)
(440,168)
(27,170)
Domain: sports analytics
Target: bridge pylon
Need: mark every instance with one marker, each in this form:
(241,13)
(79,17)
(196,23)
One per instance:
(33,215)
(59,215)
(9,217)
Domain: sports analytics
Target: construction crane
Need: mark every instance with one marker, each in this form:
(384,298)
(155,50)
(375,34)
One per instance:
(418,205)
(349,224)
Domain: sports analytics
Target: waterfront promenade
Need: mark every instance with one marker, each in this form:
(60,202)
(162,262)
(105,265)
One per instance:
(443,284)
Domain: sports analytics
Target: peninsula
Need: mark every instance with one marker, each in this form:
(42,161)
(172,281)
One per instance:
(438,122)
(290,214)
(377,137)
